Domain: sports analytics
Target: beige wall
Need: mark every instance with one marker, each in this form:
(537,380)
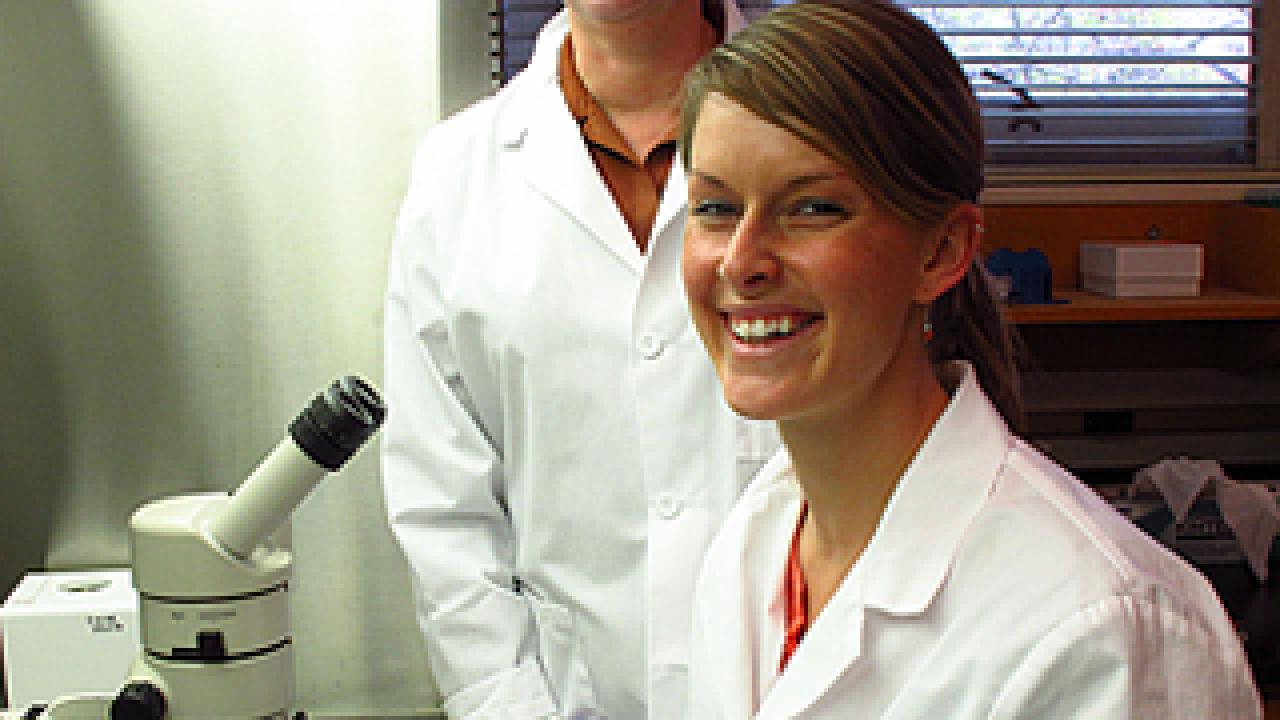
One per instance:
(196,200)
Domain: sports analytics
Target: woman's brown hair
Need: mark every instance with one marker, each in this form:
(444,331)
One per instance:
(873,87)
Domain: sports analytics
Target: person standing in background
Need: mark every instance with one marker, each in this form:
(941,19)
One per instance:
(557,453)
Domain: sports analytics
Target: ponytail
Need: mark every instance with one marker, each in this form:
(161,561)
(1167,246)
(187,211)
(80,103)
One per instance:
(967,325)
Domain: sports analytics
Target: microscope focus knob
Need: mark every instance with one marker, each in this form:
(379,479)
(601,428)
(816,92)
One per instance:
(139,701)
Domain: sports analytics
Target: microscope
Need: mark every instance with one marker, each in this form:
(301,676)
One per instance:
(214,590)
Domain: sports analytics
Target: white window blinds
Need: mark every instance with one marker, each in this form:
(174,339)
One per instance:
(1069,82)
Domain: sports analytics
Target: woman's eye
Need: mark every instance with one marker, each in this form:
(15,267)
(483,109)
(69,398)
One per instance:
(820,208)
(814,214)
(714,209)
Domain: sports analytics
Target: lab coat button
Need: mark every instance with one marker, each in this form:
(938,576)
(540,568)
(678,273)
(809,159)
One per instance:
(668,506)
(650,346)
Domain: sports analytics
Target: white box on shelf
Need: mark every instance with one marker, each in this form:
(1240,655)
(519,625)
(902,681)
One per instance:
(68,632)
(1141,270)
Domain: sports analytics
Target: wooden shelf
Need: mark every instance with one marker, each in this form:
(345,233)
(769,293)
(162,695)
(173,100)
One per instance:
(1214,303)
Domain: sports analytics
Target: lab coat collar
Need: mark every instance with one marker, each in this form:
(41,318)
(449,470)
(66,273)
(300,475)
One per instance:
(910,554)
(942,489)
(539,76)
(538,128)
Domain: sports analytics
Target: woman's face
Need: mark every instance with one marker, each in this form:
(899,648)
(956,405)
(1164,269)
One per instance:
(815,303)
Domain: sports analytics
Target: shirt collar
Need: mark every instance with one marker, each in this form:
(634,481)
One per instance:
(596,126)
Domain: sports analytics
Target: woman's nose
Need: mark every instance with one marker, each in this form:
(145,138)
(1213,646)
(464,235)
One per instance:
(749,264)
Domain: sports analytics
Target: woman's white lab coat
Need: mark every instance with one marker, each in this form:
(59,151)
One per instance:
(996,586)
(557,453)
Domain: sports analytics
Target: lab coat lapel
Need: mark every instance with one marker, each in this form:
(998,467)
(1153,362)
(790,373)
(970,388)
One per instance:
(669,223)
(554,160)
(830,649)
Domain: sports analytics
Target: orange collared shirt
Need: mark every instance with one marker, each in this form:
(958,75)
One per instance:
(635,183)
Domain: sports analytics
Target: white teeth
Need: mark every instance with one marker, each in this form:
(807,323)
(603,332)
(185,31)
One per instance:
(762,328)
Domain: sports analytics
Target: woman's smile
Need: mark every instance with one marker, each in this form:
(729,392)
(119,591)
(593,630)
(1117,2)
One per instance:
(755,328)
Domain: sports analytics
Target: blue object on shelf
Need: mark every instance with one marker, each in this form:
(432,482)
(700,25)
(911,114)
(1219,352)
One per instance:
(1031,278)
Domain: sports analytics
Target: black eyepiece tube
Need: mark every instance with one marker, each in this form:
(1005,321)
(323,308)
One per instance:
(338,421)
(328,431)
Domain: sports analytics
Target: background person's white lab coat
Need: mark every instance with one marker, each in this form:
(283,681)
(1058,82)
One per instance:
(996,587)
(557,454)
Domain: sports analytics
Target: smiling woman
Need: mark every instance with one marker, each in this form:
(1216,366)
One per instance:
(906,555)
(820,164)
(802,286)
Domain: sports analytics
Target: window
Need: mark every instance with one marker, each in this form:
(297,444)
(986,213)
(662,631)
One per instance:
(1068,83)
(1138,82)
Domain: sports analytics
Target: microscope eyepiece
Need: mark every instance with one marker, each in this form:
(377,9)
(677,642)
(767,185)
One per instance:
(338,421)
(328,431)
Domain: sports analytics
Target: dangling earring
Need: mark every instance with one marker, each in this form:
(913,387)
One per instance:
(928,331)
(720,271)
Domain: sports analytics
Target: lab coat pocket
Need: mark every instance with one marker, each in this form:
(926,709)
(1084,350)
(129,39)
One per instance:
(562,660)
